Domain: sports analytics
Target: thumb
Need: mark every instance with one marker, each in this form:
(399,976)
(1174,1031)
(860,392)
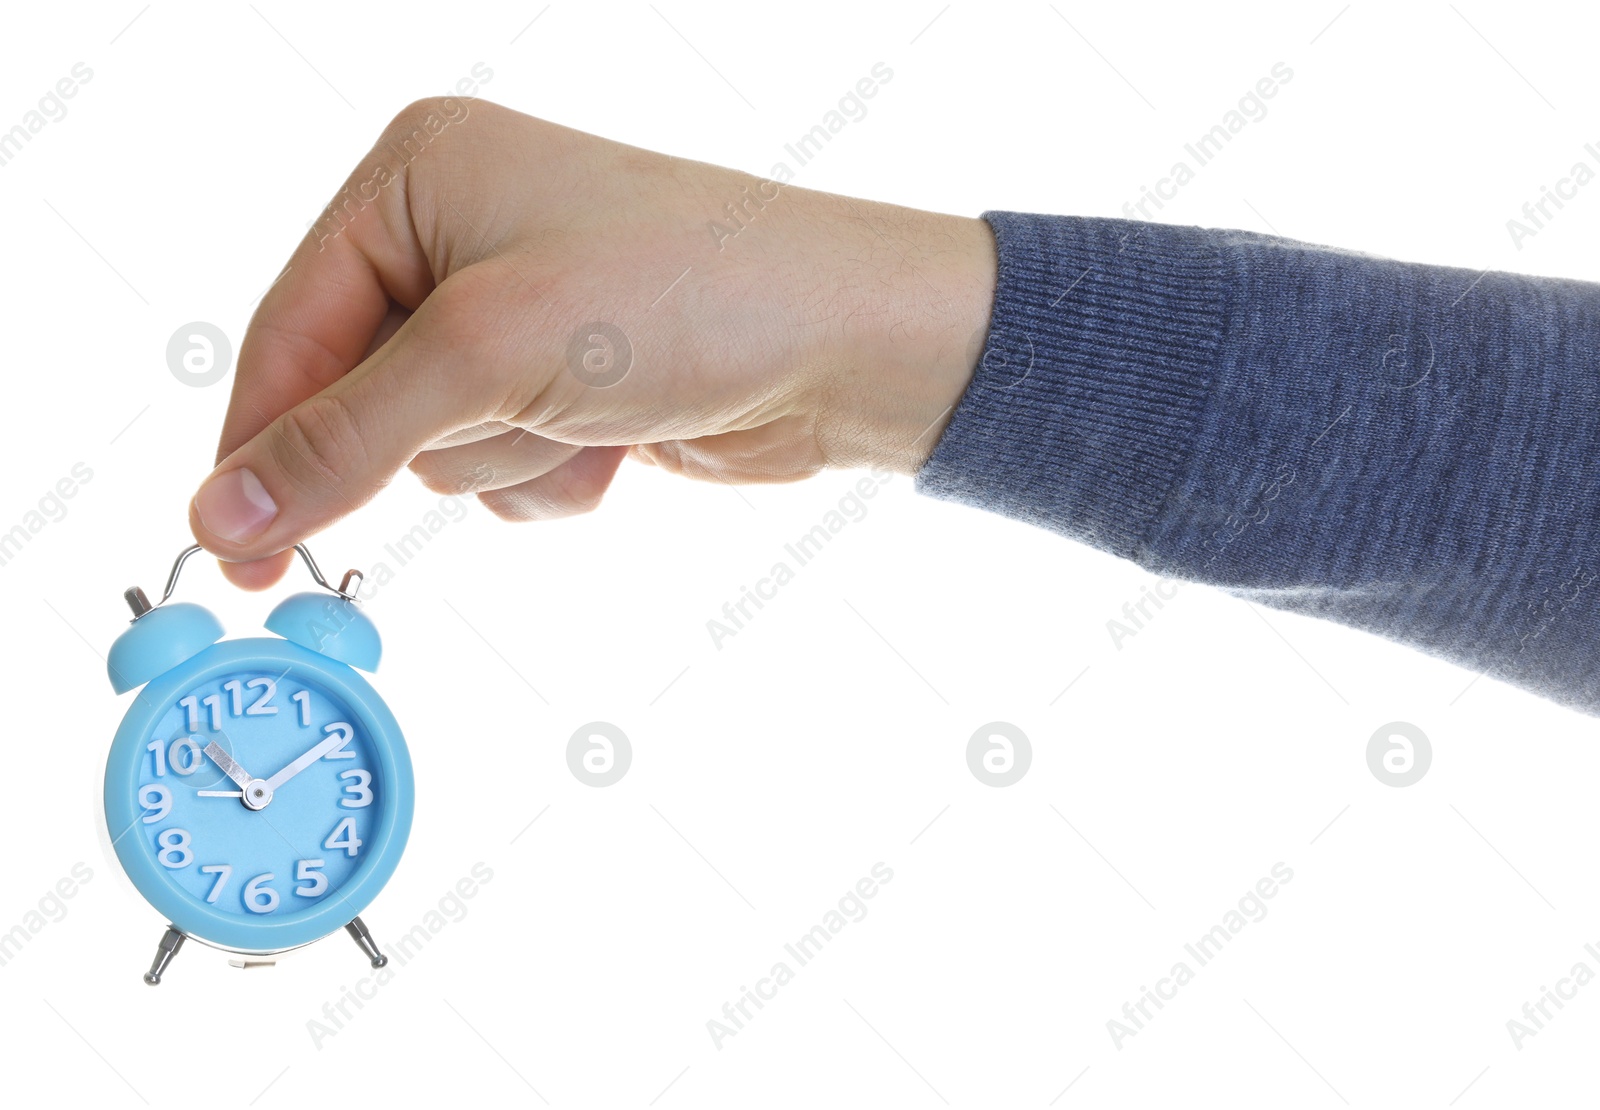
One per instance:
(333,452)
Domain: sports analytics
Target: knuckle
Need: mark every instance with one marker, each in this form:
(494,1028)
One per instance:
(430,119)
(477,318)
(320,441)
(457,306)
(413,114)
(461,312)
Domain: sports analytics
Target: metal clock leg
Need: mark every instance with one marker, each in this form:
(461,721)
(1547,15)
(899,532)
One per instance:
(171,941)
(358,932)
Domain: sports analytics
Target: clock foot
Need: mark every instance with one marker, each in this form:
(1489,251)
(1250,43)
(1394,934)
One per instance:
(171,941)
(358,932)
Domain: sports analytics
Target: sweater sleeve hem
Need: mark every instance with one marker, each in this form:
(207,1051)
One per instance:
(1084,408)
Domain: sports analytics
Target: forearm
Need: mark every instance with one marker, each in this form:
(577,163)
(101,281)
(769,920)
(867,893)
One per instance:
(1407,449)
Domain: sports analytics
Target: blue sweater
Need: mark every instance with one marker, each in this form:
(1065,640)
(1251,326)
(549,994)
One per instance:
(1411,450)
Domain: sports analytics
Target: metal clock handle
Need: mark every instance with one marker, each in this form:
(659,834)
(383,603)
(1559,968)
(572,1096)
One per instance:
(140,604)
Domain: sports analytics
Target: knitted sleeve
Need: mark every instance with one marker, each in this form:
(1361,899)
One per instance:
(1410,450)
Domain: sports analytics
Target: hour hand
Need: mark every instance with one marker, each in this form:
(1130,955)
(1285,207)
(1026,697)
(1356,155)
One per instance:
(225,761)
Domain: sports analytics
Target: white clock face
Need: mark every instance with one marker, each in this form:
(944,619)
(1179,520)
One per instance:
(255,792)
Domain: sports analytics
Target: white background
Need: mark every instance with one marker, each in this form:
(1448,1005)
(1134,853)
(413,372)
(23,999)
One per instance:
(769,776)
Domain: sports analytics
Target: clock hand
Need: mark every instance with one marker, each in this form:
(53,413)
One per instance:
(224,761)
(306,760)
(218,794)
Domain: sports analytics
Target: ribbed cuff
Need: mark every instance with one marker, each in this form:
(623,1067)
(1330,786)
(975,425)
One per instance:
(1083,410)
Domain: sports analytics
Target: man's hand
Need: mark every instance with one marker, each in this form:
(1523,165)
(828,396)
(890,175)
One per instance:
(510,307)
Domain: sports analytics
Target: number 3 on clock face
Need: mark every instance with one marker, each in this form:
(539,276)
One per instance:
(259,796)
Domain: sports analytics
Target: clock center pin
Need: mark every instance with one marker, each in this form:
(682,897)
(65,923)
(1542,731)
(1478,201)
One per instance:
(257,794)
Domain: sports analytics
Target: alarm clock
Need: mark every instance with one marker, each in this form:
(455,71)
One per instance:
(258,792)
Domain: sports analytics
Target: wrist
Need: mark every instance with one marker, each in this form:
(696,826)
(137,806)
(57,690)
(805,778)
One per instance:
(911,347)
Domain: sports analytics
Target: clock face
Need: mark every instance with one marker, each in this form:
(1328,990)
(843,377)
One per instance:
(257,792)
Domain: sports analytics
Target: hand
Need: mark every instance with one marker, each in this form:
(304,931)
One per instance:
(305,761)
(439,315)
(225,763)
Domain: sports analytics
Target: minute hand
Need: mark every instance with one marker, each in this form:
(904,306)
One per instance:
(306,760)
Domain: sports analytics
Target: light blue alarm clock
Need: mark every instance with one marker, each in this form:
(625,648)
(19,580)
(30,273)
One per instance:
(259,791)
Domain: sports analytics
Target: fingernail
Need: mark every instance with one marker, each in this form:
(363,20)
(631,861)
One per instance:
(235,506)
